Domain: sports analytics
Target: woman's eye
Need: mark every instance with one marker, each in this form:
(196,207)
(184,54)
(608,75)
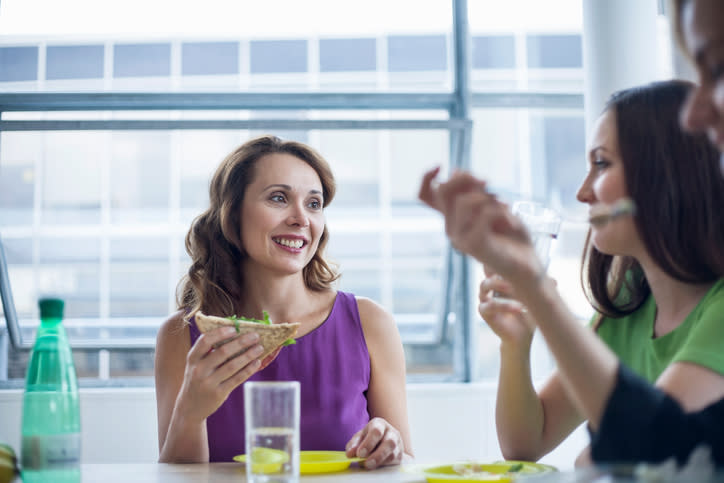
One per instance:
(279,198)
(315,204)
(600,163)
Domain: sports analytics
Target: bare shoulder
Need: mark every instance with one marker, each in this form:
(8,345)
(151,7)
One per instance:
(173,327)
(374,317)
(173,336)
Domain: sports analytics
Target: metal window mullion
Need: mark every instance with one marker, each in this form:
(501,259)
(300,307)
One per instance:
(230,124)
(175,74)
(539,100)
(174,203)
(385,201)
(42,64)
(458,299)
(313,62)
(147,101)
(521,59)
(104,277)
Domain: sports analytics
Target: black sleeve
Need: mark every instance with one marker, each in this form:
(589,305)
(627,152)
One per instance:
(642,424)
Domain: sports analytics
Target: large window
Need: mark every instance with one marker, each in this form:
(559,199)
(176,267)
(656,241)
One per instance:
(98,215)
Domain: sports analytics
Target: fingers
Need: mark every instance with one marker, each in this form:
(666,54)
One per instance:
(497,305)
(460,183)
(379,442)
(440,196)
(206,342)
(233,362)
(494,285)
(219,362)
(467,221)
(353,443)
(428,188)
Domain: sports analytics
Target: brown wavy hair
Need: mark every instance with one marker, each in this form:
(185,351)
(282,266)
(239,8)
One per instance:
(214,282)
(673,177)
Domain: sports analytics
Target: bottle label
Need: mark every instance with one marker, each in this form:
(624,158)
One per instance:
(51,451)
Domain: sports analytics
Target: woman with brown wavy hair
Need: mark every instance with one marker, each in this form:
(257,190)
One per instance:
(260,247)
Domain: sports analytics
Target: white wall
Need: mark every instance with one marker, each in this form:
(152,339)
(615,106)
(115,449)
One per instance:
(449,422)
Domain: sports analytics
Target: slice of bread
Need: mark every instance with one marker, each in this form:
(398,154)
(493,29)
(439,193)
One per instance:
(270,336)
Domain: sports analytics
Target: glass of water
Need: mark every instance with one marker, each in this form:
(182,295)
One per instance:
(543,225)
(272,431)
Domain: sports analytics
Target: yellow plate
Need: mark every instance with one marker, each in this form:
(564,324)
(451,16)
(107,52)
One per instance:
(267,460)
(528,467)
(271,460)
(501,471)
(324,461)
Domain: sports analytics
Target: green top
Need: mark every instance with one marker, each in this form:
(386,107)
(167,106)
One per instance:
(699,339)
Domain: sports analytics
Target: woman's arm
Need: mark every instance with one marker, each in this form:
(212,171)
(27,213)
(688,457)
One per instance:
(693,386)
(184,436)
(385,439)
(587,367)
(529,423)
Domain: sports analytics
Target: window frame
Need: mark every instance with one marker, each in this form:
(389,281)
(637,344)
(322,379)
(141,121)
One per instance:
(457,315)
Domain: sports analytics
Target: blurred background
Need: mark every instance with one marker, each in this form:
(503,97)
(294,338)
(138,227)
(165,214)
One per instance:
(96,213)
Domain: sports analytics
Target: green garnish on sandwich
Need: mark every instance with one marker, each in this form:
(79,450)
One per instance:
(265,321)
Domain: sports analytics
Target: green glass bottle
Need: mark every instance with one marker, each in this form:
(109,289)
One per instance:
(51,410)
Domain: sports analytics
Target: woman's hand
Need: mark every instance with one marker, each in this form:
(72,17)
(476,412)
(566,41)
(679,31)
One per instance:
(379,442)
(212,373)
(478,224)
(506,316)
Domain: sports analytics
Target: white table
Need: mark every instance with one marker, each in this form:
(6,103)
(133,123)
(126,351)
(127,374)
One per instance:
(235,472)
(225,472)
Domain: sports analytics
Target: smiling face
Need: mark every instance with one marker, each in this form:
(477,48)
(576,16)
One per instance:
(282,217)
(605,183)
(703,38)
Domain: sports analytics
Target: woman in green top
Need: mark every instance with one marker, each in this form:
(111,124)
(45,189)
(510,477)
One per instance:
(654,279)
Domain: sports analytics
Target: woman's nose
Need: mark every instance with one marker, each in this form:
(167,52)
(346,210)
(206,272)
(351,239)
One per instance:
(585,193)
(298,217)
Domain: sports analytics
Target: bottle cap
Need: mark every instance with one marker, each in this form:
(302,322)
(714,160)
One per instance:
(51,308)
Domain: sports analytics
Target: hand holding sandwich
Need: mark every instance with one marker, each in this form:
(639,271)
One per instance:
(212,373)
(229,351)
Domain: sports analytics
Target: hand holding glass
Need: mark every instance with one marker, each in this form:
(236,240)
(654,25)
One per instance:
(272,431)
(542,224)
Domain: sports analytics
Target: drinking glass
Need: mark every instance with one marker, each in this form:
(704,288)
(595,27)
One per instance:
(542,223)
(272,431)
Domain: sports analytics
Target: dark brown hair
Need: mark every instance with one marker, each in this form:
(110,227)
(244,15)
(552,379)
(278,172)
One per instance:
(673,177)
(214,283)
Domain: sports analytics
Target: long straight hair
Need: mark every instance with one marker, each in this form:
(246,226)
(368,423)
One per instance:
(673,177)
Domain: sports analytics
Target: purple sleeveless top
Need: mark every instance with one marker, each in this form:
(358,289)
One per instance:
(332,366)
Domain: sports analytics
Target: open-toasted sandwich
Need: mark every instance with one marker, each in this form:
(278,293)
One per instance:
(271,336)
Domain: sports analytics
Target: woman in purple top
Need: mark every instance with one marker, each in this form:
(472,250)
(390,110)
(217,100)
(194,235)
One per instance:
(259,246)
